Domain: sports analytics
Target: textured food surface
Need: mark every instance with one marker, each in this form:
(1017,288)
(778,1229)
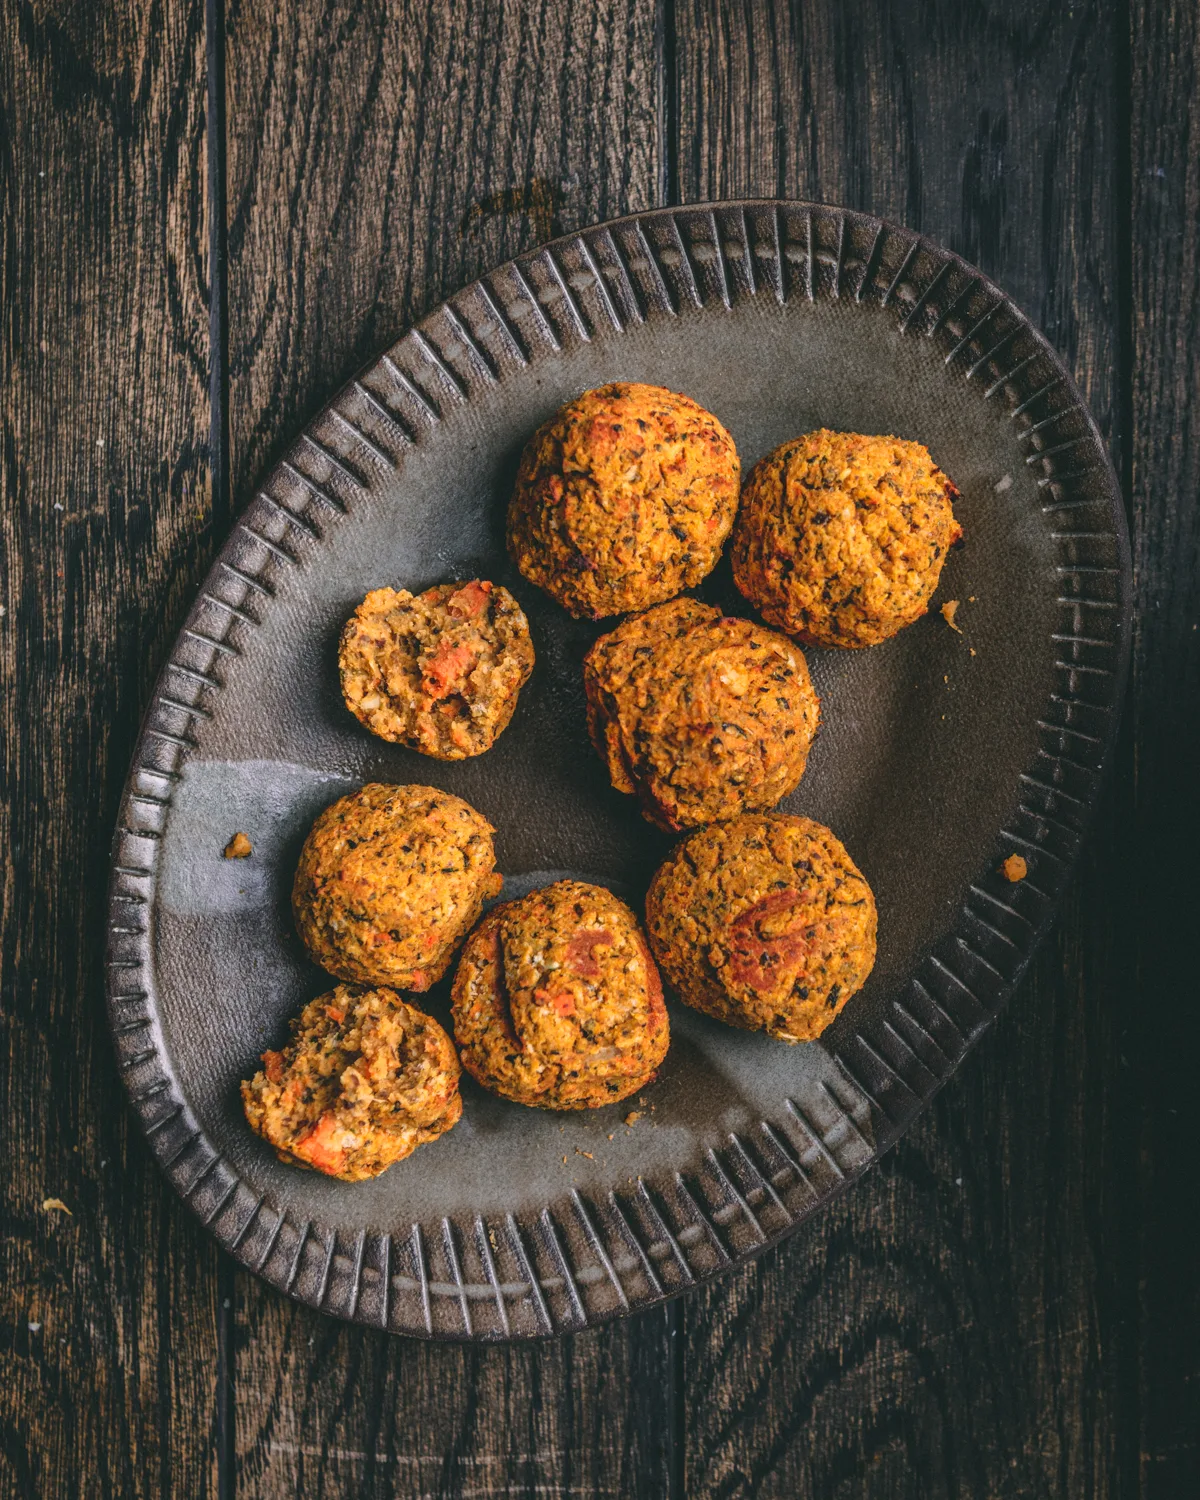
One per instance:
(702,715)
(440,671)
(390,879)
(557,1001)
(841,538)
(623,498)
(763,922)
(364,1081)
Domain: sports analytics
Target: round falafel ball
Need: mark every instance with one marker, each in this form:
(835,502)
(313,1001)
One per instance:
(764,923)
(557,1001)
(841,538)
(364,1081)
(703,716)
(623,498)
(390,879)
(438,671)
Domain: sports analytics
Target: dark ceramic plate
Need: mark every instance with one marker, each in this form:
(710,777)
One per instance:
(939,755)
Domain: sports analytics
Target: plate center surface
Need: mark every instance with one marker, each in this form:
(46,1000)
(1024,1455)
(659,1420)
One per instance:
(916,766)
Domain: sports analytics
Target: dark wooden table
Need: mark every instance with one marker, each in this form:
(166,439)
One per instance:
(210,216)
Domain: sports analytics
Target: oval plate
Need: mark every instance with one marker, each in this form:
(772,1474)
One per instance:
(940,754)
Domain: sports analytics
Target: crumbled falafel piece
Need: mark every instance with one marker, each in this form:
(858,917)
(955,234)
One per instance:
(390,880)
(557,1001)
(703,716)
(623,498)
(841,538)
(765,923)
(440,671)
(364,1081)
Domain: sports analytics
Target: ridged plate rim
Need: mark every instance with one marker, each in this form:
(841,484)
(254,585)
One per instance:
(583,1261)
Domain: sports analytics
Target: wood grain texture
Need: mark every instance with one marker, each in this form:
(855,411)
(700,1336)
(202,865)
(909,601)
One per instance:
(327,1411)
(377,161)
(1165,722)
(108,1331)
(960,1315)
(381,157)
(1007,1307)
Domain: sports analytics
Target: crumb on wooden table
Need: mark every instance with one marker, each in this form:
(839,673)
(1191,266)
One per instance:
(949,610)
(1014,868)
(238,847)
(49,1204)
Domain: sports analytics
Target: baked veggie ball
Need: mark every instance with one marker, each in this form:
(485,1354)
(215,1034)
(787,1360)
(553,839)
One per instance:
(364,1081)
(841,538)
(764,923)
(623,498)
(557,1001)
(390,879)
(703,716)
(438,671)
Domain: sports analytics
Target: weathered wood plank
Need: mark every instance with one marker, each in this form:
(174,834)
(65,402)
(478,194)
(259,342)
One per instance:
(375,164)
(326,1411)
(108,1351)
(959,1315)
(1165,715)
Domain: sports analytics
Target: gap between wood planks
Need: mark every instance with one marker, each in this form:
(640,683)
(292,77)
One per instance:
(222,518)
(666,69)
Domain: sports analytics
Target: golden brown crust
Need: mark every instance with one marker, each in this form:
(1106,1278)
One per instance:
(623,498)
(557,1001)
(703,716)
(389,880)
(765,923)
(438,671)
(364,1081)
(841,538)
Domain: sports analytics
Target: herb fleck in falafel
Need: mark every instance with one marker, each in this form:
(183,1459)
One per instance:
(438,671)
(765,923)
(557,1001)
(623,498)
(390,879)
(703,716)
(841,538)
(365,1080)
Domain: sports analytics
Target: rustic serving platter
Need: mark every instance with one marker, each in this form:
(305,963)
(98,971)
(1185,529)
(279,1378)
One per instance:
(941,753)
